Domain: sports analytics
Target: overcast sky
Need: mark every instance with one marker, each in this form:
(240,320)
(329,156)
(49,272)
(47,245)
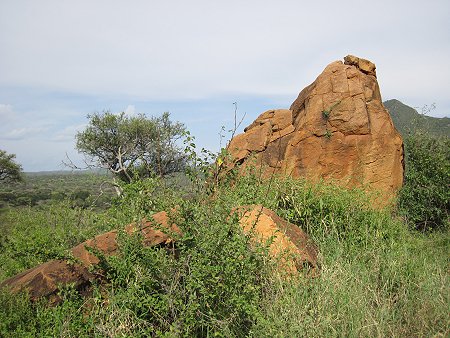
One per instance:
(61,60)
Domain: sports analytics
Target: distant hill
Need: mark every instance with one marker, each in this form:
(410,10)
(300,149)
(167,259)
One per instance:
(406,119)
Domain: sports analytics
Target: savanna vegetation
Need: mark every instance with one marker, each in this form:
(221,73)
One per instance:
(83,189)
(383,272)
(10,170)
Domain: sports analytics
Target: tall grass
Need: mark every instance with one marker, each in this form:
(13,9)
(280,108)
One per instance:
(377,277)
(33,235)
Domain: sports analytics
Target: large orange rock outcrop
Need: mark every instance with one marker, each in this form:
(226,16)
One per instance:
(337,129)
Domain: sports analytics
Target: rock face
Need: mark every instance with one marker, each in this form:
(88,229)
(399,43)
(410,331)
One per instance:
(289,243)
(45,279)
(337,129)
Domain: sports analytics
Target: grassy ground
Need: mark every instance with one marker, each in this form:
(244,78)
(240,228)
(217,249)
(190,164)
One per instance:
(378,278)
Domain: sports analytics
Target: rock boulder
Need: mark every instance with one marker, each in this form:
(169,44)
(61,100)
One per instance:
(287,241)
(337,129)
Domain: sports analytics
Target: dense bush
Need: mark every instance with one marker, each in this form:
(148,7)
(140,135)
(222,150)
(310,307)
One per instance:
(212,288)
(425,196)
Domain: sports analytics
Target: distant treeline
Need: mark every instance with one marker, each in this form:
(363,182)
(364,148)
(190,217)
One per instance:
(84,189)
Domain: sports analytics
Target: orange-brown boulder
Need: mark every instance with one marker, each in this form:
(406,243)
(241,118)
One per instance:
(337,129)
(154,232)
(287,241)
(46,279)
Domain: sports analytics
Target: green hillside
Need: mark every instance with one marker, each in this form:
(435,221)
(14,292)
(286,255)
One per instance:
(406,119)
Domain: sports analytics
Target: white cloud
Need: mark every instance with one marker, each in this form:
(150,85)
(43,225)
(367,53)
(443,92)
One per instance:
(41,154)
(6,113)
(203,48)
(67,134)
(23,133)
(5,110)
(130,110)
(107,54)
(17,125)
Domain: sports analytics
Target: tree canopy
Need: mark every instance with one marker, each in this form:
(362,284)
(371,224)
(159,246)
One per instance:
(128,146)
(10,171)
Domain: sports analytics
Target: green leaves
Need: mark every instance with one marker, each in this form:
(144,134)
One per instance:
(425,196)
(134,146)
(10,171)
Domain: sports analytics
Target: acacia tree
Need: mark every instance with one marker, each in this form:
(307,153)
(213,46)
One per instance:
(10,171)
(130,146)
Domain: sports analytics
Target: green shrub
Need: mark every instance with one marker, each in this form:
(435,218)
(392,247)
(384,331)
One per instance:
(425,197)
(213,287)
(21,318)
(144,197)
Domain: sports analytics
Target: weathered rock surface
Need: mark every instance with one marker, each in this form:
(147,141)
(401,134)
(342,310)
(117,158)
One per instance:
(289,243)
(337,129)
(152,234)
(45,279)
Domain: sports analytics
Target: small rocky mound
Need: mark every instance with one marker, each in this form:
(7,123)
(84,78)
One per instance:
(45,280)
(337,129)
